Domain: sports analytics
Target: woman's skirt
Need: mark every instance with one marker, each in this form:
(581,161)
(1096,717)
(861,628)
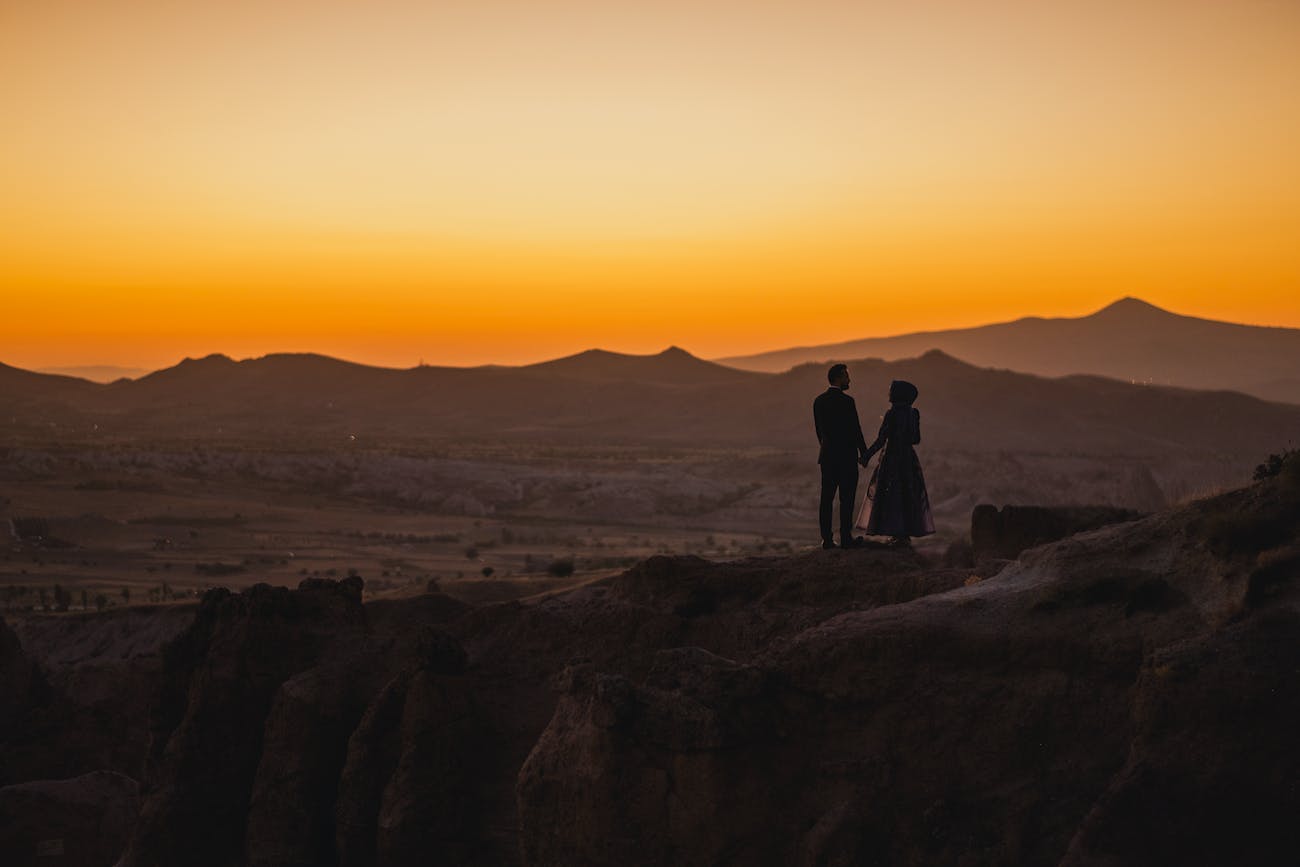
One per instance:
(901,506)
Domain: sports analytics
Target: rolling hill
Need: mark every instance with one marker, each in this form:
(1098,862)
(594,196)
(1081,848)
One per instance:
(668,398)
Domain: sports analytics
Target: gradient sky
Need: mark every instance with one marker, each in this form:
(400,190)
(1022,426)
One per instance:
(509,181)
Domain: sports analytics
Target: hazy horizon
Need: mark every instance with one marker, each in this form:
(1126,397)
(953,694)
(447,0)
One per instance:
(505,359)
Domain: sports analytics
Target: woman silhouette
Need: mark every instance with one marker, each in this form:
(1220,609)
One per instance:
(900,506)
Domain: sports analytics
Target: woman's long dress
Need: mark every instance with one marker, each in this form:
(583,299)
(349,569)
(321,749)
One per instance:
(901,506)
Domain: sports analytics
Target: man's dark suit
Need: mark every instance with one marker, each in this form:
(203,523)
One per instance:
(839,433)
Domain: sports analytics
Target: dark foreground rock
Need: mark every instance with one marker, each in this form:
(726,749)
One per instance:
(27,698)
(82,822)
(93,678)
(1126,696)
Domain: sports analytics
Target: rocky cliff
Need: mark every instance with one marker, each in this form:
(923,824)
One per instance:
(1124,696)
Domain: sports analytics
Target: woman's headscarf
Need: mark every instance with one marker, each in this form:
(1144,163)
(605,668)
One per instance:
(901,391)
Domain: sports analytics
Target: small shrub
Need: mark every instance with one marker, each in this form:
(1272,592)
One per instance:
(1273,466)
(561,568)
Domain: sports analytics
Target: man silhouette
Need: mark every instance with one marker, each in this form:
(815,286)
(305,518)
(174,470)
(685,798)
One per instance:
(842,448)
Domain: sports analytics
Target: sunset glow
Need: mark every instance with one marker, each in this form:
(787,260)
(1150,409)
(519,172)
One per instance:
(508,181)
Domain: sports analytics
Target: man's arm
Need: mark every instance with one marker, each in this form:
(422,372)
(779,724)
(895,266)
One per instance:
(818,424)
(857,431)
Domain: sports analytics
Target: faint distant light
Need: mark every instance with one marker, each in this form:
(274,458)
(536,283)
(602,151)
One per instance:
(352,437)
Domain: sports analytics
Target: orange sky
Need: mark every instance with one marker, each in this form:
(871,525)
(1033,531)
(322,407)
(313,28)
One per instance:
(507,181)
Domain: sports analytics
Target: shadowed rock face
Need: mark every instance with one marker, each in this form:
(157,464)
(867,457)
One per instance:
(232,684)
(1211,777)
(71,698)
(83,821)
(1125,696)
(408,785)
(27,700)
(92,677)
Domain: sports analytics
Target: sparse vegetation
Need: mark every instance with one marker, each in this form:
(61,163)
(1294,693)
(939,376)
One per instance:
(1273,466)
(1248,529)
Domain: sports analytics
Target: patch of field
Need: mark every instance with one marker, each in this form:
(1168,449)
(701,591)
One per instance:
(131,544)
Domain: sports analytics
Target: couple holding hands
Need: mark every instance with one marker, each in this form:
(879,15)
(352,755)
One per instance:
(900,506)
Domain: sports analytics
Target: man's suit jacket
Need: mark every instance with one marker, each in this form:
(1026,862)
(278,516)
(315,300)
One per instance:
(839,432)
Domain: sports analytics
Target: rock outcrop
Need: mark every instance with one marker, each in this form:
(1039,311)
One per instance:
(1123,697)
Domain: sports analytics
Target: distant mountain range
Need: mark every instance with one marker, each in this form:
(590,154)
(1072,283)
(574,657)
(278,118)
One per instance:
(1129,340)
(669,398)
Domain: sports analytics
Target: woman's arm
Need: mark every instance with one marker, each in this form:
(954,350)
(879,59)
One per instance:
(880,438)
(916,426)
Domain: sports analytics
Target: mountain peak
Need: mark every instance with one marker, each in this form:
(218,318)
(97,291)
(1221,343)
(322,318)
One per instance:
(671,365)
(216,358)
(937,354)
(1128,307)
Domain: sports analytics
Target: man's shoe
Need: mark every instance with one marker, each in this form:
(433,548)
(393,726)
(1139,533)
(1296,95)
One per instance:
(854,542)
(828,545)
